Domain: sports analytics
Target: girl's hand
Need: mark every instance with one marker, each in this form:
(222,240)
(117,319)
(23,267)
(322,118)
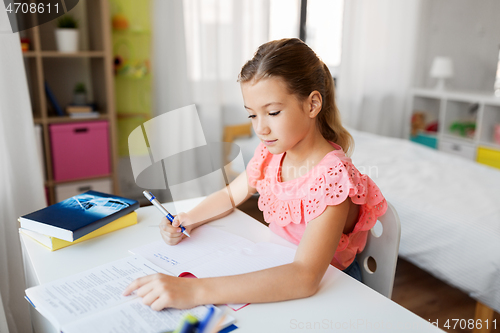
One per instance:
(171,232)
(161,291)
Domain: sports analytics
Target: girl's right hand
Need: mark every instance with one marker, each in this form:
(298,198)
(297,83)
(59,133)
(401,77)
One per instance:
(171,232)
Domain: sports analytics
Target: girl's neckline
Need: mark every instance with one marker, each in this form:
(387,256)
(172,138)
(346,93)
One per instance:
(280,162)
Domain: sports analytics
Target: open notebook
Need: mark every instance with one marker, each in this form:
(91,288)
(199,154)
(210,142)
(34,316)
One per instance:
(211,252)
(92,301)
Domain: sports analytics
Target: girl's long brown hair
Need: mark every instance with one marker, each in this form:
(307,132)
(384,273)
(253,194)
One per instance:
(293,61)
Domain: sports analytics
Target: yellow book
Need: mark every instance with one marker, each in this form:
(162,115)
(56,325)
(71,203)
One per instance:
(53,243)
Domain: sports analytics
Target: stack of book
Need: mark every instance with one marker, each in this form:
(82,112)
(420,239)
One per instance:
(79,218)
(93,301)
(81,111)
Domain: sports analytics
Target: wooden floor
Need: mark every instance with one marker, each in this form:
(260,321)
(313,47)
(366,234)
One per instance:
(417,290)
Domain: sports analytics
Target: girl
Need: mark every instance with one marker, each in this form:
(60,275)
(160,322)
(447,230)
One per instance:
(310,192)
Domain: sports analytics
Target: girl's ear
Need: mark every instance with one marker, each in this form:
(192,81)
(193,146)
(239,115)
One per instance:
(314,103)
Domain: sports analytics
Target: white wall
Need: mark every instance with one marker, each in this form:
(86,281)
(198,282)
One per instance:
(468,32)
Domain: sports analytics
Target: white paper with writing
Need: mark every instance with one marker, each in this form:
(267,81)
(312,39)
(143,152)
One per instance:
(211,252)
(132,317)
(205,244)
(79,295)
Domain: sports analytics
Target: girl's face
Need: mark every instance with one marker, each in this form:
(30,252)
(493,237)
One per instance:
(279,119)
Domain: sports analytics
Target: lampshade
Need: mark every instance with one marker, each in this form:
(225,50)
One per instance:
(442,67)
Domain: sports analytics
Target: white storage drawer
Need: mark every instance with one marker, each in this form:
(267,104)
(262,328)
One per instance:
(458,148)
(65,191)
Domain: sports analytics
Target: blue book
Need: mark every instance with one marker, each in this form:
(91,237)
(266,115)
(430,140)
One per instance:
(79,215)
(53,100)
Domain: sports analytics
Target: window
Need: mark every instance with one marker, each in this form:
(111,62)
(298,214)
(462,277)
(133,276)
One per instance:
(323,26)
(207,23)
(324,29)
(284,18)
(223,34)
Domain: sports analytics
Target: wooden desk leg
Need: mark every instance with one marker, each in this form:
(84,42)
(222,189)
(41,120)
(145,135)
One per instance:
(483,313)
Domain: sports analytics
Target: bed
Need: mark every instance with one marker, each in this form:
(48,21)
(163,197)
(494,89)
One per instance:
(449,209)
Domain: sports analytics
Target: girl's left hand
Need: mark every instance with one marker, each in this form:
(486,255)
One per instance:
(161,291)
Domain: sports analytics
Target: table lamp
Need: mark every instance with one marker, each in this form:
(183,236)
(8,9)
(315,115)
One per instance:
(442,68)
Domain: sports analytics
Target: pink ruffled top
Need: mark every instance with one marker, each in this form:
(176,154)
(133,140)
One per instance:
(289,206)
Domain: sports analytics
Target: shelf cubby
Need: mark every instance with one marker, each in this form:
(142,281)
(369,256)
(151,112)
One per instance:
(92,65)
(480,109)
(62,75)
(429,106)
(89,17)
(459,111)
(491,118)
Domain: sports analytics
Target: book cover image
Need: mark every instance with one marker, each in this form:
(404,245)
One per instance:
(78,215)
(94,205)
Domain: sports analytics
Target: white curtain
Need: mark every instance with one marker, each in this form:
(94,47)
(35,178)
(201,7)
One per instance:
(171,85)
(378,57)
(199,49)
(221,36)
(21,180)
(3,320)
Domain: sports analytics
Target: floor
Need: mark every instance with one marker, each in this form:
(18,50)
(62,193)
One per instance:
(418,291)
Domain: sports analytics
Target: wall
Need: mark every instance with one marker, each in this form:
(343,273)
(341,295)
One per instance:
(468,32)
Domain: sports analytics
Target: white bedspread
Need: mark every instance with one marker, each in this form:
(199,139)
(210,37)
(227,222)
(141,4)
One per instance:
(449,209)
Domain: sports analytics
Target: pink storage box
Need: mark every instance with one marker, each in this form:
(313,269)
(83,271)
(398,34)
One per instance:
(80,150)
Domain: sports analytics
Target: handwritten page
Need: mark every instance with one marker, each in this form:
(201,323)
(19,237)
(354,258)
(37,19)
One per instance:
(256,257)
(206,243)
(79,295)
(211,252)
(253,258)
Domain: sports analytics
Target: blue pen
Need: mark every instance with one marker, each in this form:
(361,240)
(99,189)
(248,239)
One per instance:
(188,324)
(162,209)
(203,324)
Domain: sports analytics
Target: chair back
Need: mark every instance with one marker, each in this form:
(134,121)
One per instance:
(379,258)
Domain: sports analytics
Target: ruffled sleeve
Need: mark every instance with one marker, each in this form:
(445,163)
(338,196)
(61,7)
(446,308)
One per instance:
(340,180)
(330,185)
(366,193)
(257,166)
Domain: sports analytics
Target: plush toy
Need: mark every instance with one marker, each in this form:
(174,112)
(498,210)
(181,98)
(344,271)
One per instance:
(25,44)
(463,128)
(120,22)
(432,127)
(417,123)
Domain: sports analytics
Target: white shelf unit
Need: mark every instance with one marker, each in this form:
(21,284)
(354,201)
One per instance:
(447,107)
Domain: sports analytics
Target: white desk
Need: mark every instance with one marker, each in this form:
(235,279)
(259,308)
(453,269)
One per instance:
(341,303)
